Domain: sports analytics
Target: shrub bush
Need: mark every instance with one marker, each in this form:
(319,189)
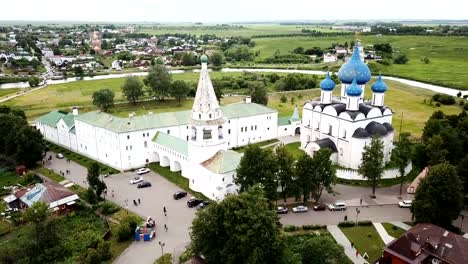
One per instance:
(313,227)
(369,235)
(346,224)
(437,104)
(283,99)
(108,208)
(123,232)
(290,228)
(444,99)
(465,107)
(365,223)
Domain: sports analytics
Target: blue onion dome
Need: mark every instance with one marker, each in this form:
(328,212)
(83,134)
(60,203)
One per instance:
(354,69)
(379,86)
(327,84)
(354,89)
(204,59)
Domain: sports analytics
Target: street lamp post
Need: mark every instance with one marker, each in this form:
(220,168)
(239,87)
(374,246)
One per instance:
(162,244)
(357,214)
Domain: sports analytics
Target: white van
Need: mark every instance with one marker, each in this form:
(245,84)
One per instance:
(338,206)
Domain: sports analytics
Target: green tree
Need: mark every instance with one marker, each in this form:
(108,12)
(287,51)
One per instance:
(132,89)
(188,59)
(298,50)
(37,214)
(435,150)
(258,93)
(401,155)
(324,176)
(104,99)
(29,146)
(217,59)
(305,176)
(462,170)
(98,186)
(218,92)
(34,81)
(159,81)
(257,166)
(79,72)
(179,90)
(372,165)
(321,249)
(241,229)
(285,163)
(401,59)
(439,196)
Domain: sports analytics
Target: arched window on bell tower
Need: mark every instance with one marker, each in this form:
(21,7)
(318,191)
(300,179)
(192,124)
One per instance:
(220,132)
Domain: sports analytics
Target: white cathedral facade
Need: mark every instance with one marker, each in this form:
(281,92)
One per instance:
(346,123)
(195,142)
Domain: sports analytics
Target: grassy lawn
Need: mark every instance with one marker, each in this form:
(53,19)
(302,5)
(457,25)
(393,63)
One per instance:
(80,159)
(394,231)
(383,182)
(176,178)
(448,55)
(164,259)
(259,144)
(8,178)
(50,174)
(5,92)
(293,148)
(247,30)
(403,99)
(365,239)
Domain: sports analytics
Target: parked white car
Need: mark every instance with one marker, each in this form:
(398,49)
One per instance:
(300,209)
(142,171)
(136,180)
(338,206)
(405,204)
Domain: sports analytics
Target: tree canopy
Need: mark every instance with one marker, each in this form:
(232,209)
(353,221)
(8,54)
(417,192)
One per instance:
(159,81)
(258,93)
(439,196)
(133,89)
(104,99)
(179,90)
(217,59)
(372,165)
(241,229)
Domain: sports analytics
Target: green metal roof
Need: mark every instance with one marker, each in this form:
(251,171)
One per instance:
(176,144)
(69,120)
(243,110)
(52,118)
(223,161)
(283,120)
(169,119)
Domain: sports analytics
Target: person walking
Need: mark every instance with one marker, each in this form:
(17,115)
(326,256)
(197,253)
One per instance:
(135,203)
(352,244)
(112,193)
(164,210)
(165,227)
(139,201)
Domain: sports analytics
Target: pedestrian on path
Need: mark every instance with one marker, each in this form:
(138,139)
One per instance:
(360,201)
(357,253)
(164,210)
(165,227)
(135,203)
(112,193)
(139,201)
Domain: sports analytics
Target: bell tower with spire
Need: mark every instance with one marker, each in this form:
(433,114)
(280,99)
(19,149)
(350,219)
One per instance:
(207,121)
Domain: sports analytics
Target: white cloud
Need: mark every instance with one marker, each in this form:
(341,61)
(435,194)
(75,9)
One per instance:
(230,11)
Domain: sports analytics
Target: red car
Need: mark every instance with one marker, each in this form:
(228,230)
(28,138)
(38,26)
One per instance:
(320,207)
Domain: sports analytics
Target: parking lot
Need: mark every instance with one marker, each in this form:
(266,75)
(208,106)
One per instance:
(153,199)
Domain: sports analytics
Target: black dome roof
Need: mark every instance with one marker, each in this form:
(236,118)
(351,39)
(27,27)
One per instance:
(388,127)
(361,133)
(326,143)
(375,128)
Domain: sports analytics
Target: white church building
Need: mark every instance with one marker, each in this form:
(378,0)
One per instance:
(195,142)
(346,123)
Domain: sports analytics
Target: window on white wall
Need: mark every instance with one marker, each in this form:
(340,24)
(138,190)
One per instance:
(146,144)
(207,134)
(330,129)
(341,151)
(128,136)
(229,131)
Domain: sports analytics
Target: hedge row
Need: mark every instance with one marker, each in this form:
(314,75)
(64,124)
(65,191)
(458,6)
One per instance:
(292,228)
(352,223)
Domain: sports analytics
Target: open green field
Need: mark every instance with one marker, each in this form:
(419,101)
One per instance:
(448,55)
(400,97)
(247,30)
(7,92)
(365,239)
(393,230)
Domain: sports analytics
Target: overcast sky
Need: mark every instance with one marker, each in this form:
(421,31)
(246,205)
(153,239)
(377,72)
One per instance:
(229,11)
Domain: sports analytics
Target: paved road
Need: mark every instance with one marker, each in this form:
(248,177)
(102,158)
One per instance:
(378,213)
(179,216)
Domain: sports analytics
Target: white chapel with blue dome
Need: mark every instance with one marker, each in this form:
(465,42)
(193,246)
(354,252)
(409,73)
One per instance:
(346,122)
